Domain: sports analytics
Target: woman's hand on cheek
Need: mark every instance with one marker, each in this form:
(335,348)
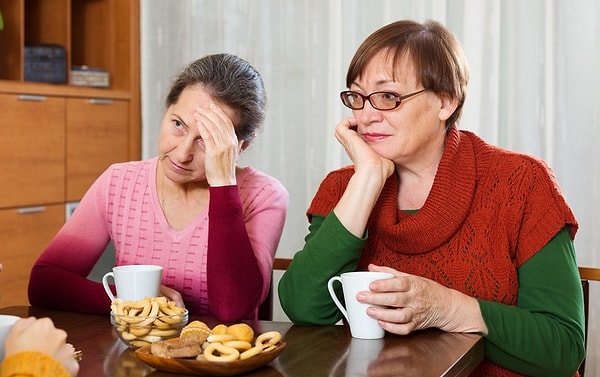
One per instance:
(221,146)
(362,155)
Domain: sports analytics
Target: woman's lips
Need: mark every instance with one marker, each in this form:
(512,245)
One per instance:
(374,136)
(177,167)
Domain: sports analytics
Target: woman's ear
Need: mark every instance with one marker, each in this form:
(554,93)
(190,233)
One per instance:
(448,106)
(243,144)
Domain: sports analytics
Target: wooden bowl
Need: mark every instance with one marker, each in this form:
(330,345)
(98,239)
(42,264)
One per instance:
(205,367)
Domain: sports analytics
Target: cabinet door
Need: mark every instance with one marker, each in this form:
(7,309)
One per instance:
(32,156)
(97,136)
(25,234)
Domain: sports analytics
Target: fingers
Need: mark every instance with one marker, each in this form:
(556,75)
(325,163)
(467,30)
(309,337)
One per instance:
(221,144)
(396,300)
(172,295)
(65,356)
(400,328)
(44,328)
(31,334)
(345,133)
(215,126)
(407,302)
(401,282)
(376,268)
(21,325)
(363,157)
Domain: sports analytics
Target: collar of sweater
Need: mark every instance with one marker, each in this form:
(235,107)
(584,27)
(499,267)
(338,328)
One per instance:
(445,209)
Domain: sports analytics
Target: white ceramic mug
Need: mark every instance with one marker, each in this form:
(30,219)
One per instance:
(134,282)
(6,324)
(361,325)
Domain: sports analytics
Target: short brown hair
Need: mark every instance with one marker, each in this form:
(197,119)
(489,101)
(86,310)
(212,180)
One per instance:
(438,57)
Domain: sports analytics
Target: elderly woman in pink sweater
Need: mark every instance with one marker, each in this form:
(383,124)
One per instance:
(214,226)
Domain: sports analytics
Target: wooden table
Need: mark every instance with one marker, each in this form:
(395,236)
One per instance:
(310,351)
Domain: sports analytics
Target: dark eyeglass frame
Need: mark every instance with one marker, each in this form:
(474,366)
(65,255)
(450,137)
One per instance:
(399,99)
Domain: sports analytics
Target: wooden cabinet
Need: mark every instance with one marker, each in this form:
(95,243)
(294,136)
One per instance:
(25,232)
(94,140)
(56,139)
(32,156)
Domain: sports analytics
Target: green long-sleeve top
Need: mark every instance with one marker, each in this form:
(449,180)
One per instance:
(541,336)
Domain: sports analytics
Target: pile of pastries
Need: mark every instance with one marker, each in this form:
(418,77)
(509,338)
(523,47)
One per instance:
(142,322)
(221,343)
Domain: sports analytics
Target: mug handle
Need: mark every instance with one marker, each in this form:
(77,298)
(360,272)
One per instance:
(334,296)
(107,286)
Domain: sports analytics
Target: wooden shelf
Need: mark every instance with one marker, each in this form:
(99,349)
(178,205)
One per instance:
(58,138)
(19,87)
(95,33)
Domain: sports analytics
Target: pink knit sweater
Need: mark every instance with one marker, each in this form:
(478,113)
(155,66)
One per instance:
(123,206)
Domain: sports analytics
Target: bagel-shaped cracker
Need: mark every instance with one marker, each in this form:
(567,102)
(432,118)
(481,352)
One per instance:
(240,345)
(251,352)
(224,353)
(269,338)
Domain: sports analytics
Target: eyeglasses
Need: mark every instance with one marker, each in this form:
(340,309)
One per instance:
(379,100)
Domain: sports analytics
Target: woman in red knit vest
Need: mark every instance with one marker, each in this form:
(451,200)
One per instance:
(479,238)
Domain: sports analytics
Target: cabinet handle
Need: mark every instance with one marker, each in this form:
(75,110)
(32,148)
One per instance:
(30,97)
(100,101)
(30,210)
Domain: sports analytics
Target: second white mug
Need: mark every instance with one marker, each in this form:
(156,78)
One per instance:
(361,325)
(6,324)
(134,282)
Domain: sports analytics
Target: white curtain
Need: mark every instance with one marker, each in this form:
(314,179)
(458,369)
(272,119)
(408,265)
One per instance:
(534,71)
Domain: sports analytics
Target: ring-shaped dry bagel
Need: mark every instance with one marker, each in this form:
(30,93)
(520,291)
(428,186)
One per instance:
(225,353)
(251,352)
(268,338)
(240,345)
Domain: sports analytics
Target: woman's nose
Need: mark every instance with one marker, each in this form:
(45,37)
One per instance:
(368,114)
(185,150)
